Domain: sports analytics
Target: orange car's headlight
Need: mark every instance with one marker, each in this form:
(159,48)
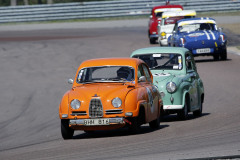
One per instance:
(116,102)
(75,104)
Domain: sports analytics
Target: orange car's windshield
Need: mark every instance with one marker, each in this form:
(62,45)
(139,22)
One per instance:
(106,74)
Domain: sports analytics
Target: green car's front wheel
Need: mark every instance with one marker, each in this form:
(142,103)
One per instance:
(183,113)
(198,112)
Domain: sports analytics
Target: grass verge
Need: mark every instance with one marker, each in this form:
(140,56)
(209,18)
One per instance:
(200,14)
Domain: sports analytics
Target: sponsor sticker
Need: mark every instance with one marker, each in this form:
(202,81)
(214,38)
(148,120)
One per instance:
(175,67)
(179,62)
(157,55)
(196,34)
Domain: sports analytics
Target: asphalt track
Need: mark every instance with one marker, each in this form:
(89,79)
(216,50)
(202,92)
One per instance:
(35,63)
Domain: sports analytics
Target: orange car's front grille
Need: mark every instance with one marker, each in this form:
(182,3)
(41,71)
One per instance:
(95,108)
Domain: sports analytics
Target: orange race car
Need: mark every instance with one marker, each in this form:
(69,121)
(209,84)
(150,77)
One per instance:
(109,94)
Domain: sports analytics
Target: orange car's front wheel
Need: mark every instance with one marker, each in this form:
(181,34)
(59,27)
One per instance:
(67,132)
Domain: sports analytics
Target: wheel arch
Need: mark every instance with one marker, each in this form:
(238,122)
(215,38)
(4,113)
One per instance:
(142,113)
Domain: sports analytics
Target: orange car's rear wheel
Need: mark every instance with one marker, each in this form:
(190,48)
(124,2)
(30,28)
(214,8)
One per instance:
(67,132)
(155,124)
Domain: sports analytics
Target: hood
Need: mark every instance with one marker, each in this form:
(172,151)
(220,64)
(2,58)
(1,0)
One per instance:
(161,78)
(105,91)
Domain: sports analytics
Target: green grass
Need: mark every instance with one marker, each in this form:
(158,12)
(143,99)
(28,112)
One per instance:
(80,20)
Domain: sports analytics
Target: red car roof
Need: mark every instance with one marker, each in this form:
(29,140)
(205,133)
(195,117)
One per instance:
(167,6)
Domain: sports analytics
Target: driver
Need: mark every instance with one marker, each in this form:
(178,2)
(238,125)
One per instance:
(125,73)
(205,26)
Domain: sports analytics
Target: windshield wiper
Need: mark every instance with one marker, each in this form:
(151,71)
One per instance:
(114,79)
(159,66)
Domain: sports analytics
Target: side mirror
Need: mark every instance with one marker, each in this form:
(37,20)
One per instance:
(150,16)
(70,81)
(220,29)
(142,79)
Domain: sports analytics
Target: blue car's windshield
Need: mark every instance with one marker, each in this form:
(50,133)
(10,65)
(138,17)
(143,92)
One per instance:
(196,27)
(164,61)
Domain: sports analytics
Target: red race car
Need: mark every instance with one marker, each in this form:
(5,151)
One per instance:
(155,19)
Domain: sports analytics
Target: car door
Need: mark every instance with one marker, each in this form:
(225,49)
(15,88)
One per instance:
(153,105)
(193,80)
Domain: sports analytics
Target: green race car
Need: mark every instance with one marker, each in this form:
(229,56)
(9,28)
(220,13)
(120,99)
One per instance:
(175,75)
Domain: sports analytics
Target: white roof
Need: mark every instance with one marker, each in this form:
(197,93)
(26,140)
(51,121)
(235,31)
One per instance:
(179,13)
(196,21)
(167,9)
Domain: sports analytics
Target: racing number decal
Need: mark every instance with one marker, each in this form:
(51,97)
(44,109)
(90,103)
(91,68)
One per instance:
(150,99)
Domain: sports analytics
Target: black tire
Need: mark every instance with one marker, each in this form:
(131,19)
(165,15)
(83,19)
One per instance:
(67,132)
(135,127)
(152,41)
(183,114)
(88,132)
(198,113)
(155,124)
(216,57)
(224,55)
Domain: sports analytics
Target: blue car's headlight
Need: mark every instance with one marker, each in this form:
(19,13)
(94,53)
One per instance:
(171,87)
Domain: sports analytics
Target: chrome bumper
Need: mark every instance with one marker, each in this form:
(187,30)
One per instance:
(111,121)
(153,36)
(172,107)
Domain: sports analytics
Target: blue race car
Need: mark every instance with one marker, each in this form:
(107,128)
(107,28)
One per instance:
(201,36)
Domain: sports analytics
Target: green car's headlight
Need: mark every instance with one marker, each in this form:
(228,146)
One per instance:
(75,104)
(116,102)
(171,87)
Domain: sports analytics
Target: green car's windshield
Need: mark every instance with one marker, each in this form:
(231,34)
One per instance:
(165,61)
(105,74)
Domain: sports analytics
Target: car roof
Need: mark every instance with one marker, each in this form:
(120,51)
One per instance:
(179,13)
(111,61)
(151,50)
(167,6)
(203,19)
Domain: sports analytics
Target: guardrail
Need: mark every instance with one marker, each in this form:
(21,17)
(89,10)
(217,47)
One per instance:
(105,9)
